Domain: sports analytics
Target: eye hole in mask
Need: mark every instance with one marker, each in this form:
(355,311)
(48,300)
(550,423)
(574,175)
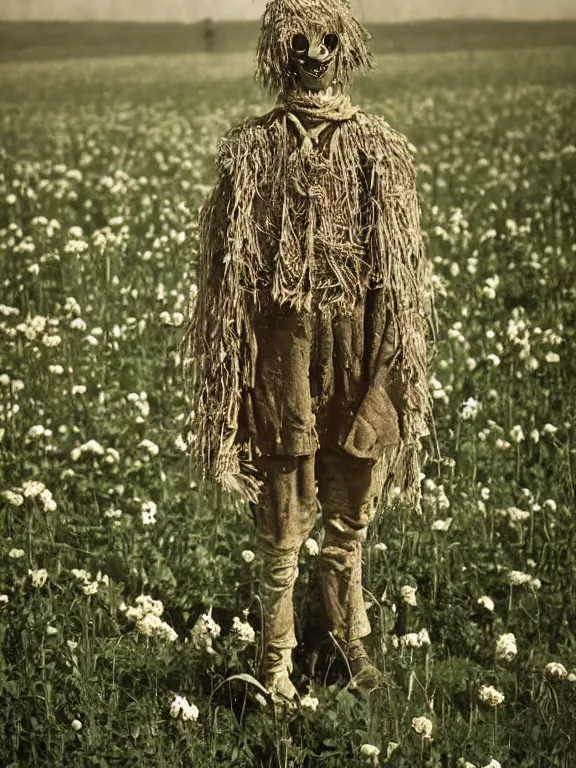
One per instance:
(331,42)
(300,45)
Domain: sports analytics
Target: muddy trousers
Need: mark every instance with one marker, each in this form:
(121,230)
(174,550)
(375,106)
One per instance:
(284,519)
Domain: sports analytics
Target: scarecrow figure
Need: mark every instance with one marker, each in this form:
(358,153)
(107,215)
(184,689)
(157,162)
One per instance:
(307,339)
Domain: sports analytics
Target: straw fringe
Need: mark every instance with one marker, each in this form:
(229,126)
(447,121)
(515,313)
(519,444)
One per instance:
(318,228)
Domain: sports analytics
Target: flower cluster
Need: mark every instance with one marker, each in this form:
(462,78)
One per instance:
(88,585)
(490,695)
(423,726)
(180,708)
(415,639)
(243,630)
(146,613)
(506,648)
(204,631)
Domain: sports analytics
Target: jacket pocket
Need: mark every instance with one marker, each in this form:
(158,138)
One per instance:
(375,425)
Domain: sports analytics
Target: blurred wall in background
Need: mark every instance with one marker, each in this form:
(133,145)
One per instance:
(189,11)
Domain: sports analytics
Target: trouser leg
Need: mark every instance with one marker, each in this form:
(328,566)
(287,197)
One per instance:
(345,492)
(284,518)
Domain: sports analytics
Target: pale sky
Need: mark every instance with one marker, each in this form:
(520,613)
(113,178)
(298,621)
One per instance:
(194,10)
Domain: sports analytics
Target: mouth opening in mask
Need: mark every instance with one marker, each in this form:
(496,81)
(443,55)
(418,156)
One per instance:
(315,59)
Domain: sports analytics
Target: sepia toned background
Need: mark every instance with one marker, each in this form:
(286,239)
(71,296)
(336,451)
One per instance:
(194,10)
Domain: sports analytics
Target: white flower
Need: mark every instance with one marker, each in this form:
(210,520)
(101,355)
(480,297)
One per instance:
(517,434)
(175,319)
(57,370)
(415,639)
(471,363)
(310,702)
(550,429)
(423,637)
(514,514)
(551,504)
(4,600)
(149,446)
(32,488)
(410,640)
(76,725)
(181,707)
(180,444)
(16,554)
(78,324)
(442,525)
(150,625)
(148,605)
(409,594)
(144,605)
(423,725)
(51,631)
(470,409)
(390,749)
(38,577)
(148,511)
(552,357)
(79,389)
(247,555)
(244,631)
(518,577)
(486,602)
(311,547)
(48,501)
(92,446)
(506,648)
(51,340)
(203,632)
(555,670)
(71,306)
(90,588)
(7,311)
(490,695)
(81,574)
(36,431)
(492,764)
(380,547)
(369,750)
(167,632)
(16,499)
(76,246)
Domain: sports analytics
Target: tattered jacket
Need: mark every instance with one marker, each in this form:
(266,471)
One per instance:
(308,323)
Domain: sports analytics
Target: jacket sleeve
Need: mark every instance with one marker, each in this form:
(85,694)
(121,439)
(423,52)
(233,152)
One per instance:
(401,265)
(216,343)
(399,375)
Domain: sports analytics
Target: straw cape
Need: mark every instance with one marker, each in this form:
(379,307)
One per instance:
(315,205)
(311,229)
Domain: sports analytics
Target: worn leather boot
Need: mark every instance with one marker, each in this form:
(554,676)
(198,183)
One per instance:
(275,674)
(364,674)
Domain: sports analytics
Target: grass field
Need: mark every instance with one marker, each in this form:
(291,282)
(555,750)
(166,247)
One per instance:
(39,41)
(104,164)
